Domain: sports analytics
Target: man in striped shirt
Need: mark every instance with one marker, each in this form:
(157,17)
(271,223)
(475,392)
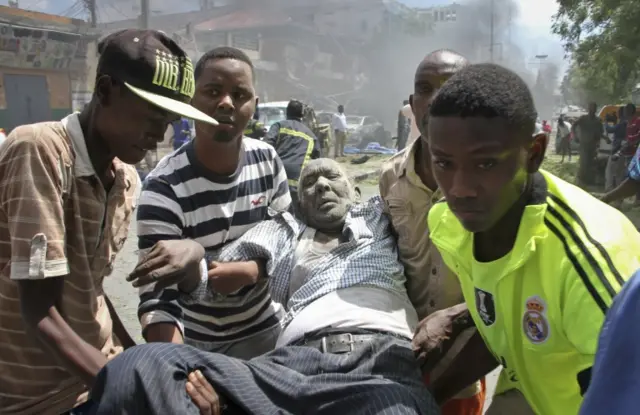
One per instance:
(202,196)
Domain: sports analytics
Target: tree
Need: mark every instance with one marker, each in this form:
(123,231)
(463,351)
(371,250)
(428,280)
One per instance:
(603,38)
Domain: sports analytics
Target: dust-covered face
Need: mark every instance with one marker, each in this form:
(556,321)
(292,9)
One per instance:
(325,195)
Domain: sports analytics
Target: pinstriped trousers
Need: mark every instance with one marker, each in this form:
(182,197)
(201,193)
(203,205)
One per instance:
(380,377)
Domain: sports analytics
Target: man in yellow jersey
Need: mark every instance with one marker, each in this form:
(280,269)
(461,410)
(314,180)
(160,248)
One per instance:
(539,260)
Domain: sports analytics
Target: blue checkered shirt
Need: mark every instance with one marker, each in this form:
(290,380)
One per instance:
(368,257)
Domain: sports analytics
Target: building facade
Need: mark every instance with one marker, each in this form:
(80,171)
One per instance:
(42,61)
(324,53)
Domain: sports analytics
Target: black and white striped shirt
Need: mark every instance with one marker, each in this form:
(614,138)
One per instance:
(182,199)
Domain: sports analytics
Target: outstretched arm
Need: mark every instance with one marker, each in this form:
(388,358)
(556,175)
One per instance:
(627,188)
(630,185)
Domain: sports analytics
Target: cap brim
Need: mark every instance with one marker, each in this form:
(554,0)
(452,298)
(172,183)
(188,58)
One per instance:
(172,105)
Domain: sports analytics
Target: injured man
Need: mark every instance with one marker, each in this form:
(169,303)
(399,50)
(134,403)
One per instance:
(345,347)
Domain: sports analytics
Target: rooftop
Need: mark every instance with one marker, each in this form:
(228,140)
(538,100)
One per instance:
(27,18)
(173,22)
(244,19)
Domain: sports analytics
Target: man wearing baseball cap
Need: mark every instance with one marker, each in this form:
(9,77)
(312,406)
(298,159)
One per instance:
(67,194)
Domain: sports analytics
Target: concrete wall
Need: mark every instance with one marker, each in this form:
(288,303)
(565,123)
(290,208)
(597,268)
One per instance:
(83,75)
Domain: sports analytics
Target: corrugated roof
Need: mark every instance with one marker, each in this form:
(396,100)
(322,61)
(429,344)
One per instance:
(244,19)
(168,22)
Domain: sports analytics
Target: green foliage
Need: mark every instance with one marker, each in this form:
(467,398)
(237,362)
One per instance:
(603,37)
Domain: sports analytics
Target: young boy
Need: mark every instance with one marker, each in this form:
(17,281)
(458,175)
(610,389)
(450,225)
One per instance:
(539,260)
(67,197)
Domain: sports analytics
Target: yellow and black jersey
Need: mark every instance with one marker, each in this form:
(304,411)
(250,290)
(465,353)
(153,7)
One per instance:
(541,307)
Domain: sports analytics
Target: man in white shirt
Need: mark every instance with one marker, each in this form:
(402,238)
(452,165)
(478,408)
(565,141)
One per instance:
(339,124)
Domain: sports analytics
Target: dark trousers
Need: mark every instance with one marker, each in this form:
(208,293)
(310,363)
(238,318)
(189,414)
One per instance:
(587,165)
(84,409)
(565,147)
(380,376)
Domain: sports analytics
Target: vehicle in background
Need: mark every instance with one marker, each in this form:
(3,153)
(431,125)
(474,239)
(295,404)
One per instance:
(607,115)
(272,112)
(364,129)
(324,117)
(635,95)
(358,122)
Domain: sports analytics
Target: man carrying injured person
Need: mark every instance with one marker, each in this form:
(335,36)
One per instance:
(346,343)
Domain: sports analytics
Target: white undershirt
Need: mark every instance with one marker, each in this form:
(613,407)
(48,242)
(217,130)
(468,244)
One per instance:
(361,307)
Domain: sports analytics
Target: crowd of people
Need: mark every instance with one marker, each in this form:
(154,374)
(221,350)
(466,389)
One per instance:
(621,131)
(268,286)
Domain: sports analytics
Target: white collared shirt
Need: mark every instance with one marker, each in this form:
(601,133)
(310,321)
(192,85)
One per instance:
(339,122)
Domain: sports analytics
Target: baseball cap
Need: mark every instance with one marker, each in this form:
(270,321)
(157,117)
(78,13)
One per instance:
(152,66)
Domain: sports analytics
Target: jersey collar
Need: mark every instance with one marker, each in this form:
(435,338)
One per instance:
(449,235)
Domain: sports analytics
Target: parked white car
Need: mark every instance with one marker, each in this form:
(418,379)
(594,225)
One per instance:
(272,112)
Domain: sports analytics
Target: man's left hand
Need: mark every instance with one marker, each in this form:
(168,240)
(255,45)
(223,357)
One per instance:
(437,332)
(167,263)
(203,395)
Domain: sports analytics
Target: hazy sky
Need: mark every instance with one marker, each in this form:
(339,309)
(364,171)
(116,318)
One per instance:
(532,30)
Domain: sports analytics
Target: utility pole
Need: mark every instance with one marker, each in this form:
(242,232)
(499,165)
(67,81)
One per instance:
(539,60)
(144,14)
(90,5)
(492,34)
(509,22)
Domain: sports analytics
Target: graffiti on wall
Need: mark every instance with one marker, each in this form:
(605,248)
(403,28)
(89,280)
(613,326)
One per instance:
(36,48)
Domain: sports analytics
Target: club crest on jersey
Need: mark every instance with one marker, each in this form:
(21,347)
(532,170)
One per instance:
(534,321)
(485,306)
